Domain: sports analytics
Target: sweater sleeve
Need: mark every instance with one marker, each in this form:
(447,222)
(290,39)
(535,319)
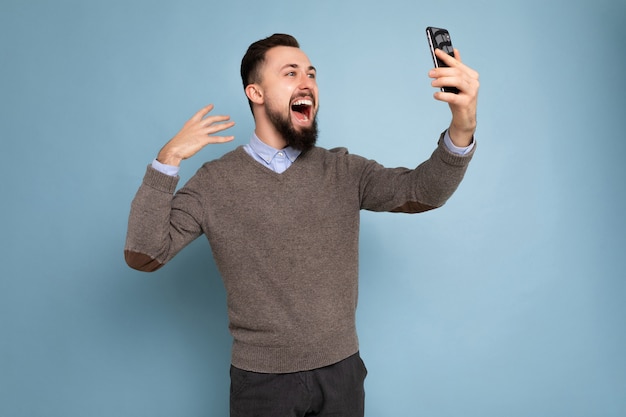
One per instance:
(160,223)
(417,190)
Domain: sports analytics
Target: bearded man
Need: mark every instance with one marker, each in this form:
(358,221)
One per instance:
(282,218)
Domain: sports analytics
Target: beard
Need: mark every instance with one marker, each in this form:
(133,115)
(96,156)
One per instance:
(302,140)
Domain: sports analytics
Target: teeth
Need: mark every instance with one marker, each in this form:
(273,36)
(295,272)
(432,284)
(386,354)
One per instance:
(303,102)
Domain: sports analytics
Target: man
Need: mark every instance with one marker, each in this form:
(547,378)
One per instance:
(282,218)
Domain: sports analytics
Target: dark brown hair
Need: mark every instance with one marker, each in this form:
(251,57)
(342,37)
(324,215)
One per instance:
(255,56)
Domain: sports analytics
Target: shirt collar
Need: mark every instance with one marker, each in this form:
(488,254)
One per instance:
(267,153)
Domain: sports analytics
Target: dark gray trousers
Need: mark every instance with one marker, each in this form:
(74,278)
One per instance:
(335,390)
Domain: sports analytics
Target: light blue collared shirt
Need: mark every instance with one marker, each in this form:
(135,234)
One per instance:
(278,160)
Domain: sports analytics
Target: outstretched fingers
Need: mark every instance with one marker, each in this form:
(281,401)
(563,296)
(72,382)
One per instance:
(200,114)
(216,124)
(199,131)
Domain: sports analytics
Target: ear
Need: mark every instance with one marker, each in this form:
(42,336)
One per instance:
(255,93)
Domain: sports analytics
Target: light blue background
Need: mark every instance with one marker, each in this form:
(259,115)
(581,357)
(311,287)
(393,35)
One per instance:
(509,301)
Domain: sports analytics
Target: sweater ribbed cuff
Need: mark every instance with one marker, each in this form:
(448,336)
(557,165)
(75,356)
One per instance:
(452,158)
(159,181)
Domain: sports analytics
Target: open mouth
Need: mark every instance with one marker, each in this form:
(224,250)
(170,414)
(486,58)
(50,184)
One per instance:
(302,109)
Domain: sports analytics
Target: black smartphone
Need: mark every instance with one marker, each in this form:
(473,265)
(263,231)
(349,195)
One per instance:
(439,38)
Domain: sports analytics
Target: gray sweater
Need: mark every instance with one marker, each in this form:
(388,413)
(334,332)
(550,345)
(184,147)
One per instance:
(286,245)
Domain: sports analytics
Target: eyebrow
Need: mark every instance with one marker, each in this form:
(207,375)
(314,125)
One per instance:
(310,68)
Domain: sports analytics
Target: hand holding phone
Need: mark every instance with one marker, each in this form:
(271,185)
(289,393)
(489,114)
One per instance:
(439,38)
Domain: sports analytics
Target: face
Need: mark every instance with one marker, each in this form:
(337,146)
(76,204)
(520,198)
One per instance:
(291,95)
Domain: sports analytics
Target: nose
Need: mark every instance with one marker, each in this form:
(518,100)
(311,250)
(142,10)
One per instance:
(307,82)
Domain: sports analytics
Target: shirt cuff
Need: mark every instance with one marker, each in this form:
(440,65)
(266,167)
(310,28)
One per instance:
(170,170)
(455,149)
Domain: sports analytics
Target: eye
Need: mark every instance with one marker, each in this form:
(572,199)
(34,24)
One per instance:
(291,74)
(312,75)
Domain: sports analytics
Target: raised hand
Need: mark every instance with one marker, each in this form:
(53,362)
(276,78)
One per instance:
(195,134)
(462,105)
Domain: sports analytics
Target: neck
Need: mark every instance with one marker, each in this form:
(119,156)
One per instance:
(266,131)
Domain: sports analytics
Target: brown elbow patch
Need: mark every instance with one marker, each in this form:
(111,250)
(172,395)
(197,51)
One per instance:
(412,207)
(141,261)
